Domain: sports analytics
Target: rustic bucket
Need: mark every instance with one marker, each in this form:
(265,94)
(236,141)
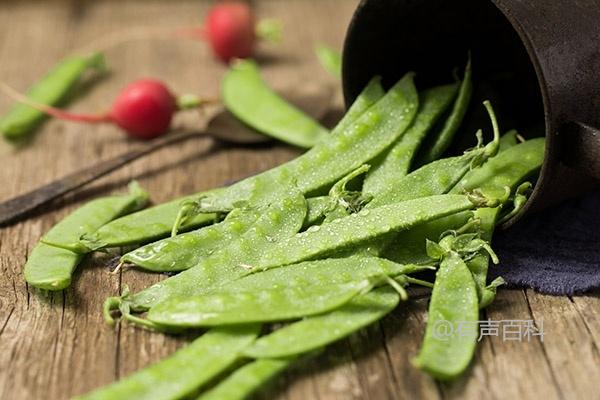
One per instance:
(537,60)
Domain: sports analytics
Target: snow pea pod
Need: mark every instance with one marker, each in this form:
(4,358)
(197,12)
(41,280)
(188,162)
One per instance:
(52,262)
(247,96)
(395,163)
(330,59)
(280,220)
(452,331)
(157,222)
(277,351)
(507,169)
(360,228)
(437,177)
(185,371)
(268,305)
(144,226)
(317,272)
(434,148)
(247,379)
(333,158)
(367,98)
(52,89)
(184,251)
(321,330)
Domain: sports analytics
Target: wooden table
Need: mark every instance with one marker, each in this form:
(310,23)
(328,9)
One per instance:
(56,345)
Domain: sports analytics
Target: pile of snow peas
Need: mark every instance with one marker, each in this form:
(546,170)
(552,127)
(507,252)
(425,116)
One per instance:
(323,245)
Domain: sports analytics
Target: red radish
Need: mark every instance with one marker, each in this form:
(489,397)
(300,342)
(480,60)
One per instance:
(230,29)
(143,109)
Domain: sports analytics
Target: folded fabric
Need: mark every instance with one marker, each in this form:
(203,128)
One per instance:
(555,251)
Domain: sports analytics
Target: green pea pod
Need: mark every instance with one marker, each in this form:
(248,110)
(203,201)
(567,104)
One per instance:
(367,98)
(157,222)
(316,273)
(268,305)
(185,371)
(249,98)
(280,220)
(333,158)
(434,148)
(52,262)
(452,330)
(184,251)
(247,379)
(391,166)
(437,177)
(145,226)
(508,169)
(53,89)
(321,330)
(360,228)
(330,59)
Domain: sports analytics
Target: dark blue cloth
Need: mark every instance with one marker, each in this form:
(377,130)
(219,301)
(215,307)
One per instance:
(556,251)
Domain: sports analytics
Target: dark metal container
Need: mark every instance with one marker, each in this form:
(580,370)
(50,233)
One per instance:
(537,60)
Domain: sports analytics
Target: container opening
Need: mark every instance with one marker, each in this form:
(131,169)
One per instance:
(433,38)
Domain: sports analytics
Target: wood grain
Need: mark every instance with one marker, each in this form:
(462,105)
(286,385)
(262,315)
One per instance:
(56,346)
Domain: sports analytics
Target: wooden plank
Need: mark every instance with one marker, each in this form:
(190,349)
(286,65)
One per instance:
(403,331)
(511,361)
(569,343)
